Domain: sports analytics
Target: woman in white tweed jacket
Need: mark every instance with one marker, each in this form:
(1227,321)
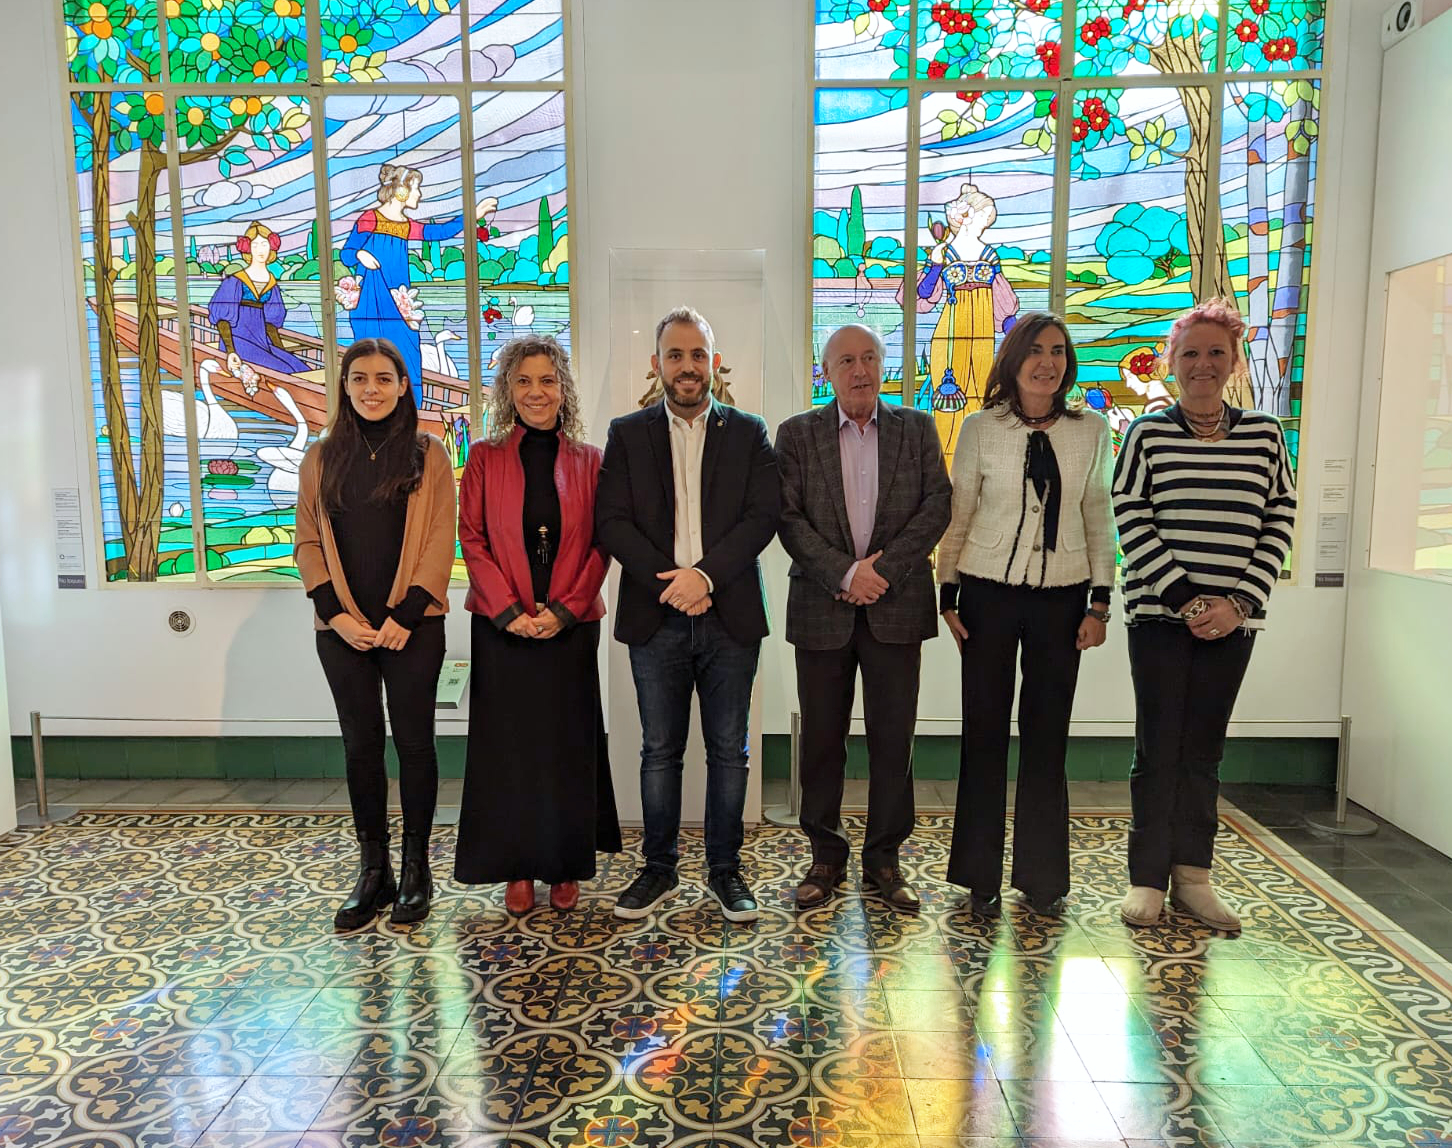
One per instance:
(1024,572)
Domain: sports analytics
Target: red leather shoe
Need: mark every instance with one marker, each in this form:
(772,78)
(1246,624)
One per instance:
(519,897)
(565,896)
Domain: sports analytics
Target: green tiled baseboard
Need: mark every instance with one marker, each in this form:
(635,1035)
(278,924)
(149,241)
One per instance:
(1295,761)
(1285,760)
(232,758)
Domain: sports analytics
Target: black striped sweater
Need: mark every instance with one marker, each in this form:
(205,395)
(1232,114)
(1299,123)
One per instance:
(1202,517)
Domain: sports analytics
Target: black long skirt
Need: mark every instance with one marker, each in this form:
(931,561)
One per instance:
(538,802)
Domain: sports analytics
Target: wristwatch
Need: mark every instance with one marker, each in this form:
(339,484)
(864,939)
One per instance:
(1096,612)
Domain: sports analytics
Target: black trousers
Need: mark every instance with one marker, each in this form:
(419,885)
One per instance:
(1184,690)
(826,687)
(411,677)
(1040,627)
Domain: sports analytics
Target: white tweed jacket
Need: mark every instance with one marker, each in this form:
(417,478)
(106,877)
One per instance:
(997,528)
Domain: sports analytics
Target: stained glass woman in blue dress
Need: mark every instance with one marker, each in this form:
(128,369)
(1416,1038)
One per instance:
(377,250)
(248,311)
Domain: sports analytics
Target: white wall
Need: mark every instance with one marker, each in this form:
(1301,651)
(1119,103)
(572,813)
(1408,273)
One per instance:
(1399,628)
(7,776)
(691,131)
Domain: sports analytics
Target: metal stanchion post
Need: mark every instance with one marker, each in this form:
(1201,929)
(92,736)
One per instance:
(43,814)
(37,753)
(1338,820)
(785,813)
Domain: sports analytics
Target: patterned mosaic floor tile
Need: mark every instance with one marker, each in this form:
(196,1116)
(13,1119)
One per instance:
(174,979)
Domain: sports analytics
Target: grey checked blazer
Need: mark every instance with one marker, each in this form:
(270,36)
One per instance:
(913,506)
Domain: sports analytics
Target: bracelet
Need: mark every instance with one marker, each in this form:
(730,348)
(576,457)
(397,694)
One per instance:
(1197,607)
(1242,607)
(1094,612)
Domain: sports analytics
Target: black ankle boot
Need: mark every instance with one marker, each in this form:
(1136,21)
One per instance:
(372,892)
(415,884)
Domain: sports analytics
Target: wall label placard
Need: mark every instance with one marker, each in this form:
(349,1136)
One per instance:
(452,680)
(70,557)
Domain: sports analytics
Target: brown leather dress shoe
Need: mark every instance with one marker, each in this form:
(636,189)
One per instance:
(565,896)
(889,884)
(519,897)
(819,884)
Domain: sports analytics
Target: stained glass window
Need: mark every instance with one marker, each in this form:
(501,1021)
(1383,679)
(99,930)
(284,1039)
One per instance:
(242,41)
(857,222)
(985,203)
(862,38)
(1275,35)
(236,234)
(254,300)
(1109,160)
(1139,194)
(1128,37)
(517,40)
(366,40)
(1268,181)
(988,38)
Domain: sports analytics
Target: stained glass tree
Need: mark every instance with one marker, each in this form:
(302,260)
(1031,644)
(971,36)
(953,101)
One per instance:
(227,126)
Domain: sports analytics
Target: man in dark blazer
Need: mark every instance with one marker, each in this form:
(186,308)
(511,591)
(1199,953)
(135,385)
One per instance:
(689,495)
(865,498)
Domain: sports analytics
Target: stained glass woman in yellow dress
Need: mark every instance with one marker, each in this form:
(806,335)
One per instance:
(962,278)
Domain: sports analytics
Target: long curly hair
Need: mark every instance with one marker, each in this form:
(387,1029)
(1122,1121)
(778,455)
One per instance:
(501,416)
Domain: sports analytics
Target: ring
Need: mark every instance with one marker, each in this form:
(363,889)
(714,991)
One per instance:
(540,630)
(1214,633)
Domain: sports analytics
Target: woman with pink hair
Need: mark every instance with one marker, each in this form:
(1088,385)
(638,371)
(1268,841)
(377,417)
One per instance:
(1205,501)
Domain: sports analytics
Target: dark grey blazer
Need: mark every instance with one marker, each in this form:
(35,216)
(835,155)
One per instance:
(914,500)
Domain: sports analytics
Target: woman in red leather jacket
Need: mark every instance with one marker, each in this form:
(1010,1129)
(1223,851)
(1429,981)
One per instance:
(537,803)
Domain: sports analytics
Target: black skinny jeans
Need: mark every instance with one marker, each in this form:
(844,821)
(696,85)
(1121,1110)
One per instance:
(1184,690)
(411,677)
(1041,627)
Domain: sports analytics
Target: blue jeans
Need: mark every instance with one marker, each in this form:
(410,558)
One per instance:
(686,655)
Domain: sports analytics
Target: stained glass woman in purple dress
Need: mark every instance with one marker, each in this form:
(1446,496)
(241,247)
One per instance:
(248,311)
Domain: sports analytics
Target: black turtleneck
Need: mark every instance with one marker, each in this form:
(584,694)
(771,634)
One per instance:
(369,537)
(538,450)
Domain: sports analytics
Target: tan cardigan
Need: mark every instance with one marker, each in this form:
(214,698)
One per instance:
(427,558)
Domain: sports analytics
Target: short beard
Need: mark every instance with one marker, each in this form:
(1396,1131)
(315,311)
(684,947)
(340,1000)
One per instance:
(674,400)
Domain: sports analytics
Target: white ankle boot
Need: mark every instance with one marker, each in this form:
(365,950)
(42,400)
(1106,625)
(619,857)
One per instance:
(1142,905)
(1191,892)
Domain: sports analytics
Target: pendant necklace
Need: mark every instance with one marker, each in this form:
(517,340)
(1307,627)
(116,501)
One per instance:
(372,450)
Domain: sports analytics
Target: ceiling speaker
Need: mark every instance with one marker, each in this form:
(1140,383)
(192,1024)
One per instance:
(1400,21)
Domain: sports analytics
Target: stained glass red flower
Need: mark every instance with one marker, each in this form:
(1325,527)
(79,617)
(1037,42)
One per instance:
(1095,30)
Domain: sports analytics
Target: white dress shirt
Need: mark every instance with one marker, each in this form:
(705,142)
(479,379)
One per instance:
(688,443)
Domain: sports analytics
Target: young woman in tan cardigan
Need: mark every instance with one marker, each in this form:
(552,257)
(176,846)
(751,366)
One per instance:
(375,547)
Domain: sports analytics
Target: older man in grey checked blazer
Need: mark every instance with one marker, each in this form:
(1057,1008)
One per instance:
(865,498)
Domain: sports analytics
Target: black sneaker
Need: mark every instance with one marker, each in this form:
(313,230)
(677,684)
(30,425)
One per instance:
(648,890)
(737,903)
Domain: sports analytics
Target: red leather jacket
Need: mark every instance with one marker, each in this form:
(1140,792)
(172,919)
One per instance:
(491,531)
